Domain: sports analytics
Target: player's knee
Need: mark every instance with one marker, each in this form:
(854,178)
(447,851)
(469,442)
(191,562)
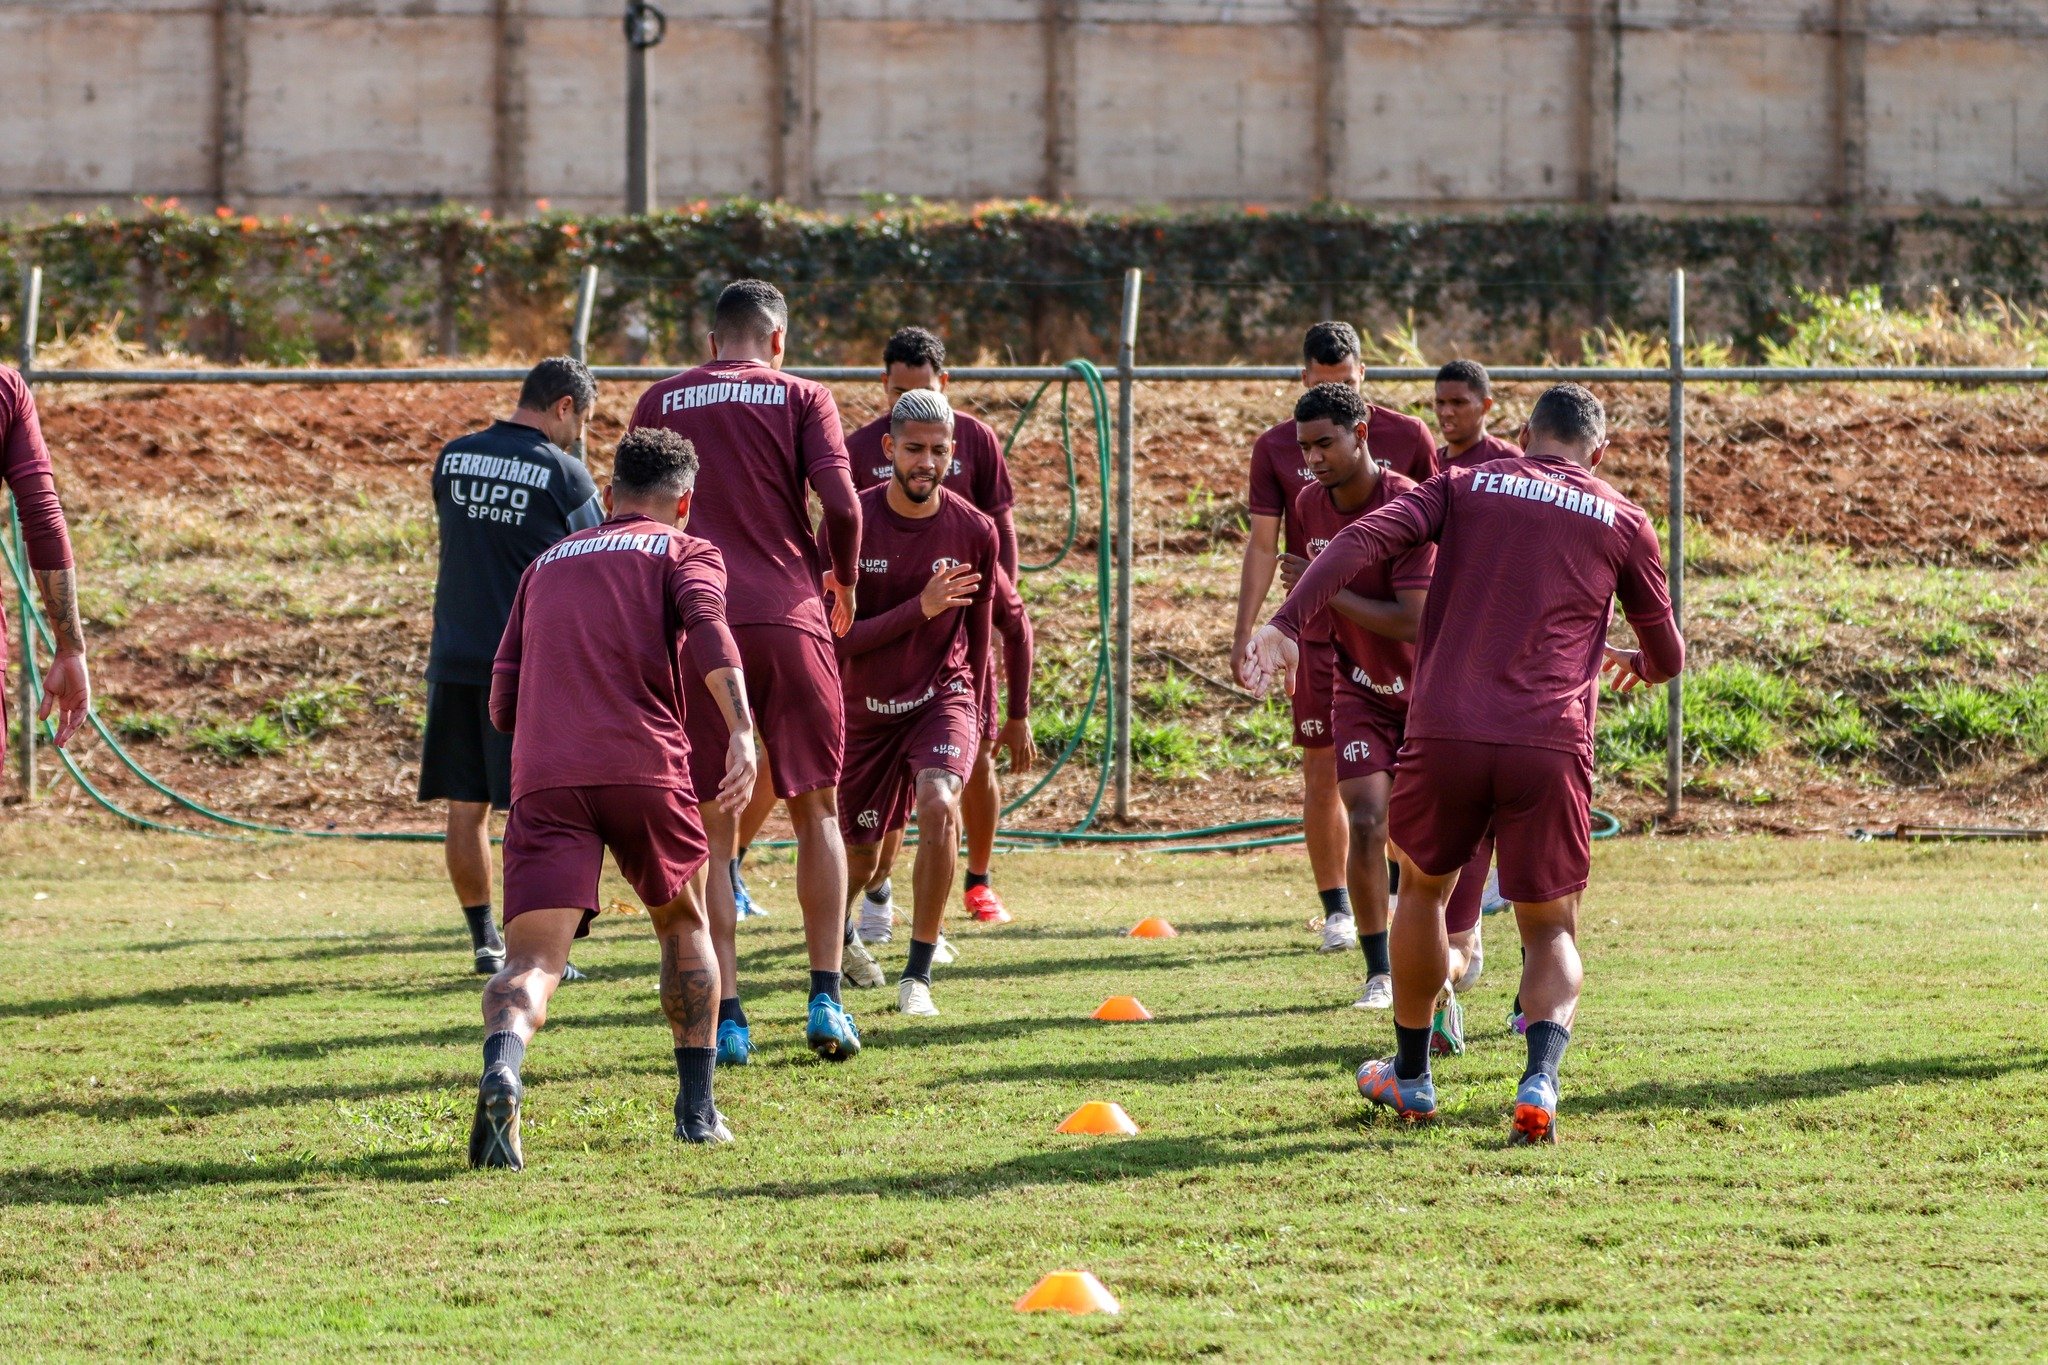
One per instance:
(936,807)
(812,809)
(1368,821)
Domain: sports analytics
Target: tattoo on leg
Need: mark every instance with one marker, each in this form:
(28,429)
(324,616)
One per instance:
(689,996)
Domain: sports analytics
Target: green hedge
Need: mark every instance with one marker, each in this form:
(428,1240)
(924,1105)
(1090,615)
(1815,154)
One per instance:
(1025,280)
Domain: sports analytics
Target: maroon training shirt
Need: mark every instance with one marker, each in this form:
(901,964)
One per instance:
(761,435)
(1400,442)
(895,659)
(589,678)
(1530,554)
(25,464)
(1383,667)
(1488,449)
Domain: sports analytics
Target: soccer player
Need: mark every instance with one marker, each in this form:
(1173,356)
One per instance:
(916,359)
(589,682)
(1464,397)
(25,465)
(764,437)
(1370,630)
(1531,552)
(911,669)
(1330,354)
(503,495)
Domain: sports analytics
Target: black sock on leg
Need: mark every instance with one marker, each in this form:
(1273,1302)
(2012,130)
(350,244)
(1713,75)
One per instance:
(483,930)
(825,983)
(879,894)
(1377,962)
(730,1010)
(732,873)
(504,1050)
(1547,1042)
(975,879)
(1393,878)
(1411,1052)
(919,965)
(1335,902)
(694,1066)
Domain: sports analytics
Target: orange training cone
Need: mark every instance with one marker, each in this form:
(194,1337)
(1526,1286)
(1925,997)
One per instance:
(1122,1009)
(1069,1291)
(1153,927)
(1098,1118)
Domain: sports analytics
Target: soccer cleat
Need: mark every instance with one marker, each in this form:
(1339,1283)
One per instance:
(1377,995)
(1516,1019)
(1340,934)
(1535,1118)
(944,953)
(986,906)
(860,967)
(877,917)
(1475,965)
(569,973)
(494,1129)
(1413,1100)
(743,903)
(714,1133)
(1491,902)
(1447,1028)
(735,1044)
(489,961)
(914,998)
(830,1031)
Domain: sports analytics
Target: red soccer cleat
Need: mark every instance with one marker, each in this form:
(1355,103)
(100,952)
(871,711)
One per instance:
(985,906)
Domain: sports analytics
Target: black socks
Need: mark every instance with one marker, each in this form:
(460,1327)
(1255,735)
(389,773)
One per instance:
(919,967)
(1411,1052)
(504,1050)
(880,894)
(731,1011)
(693,1100)
(825,983)
(1377,963)
(1546,1048)
(483,930)
(1337,902)
(975,879)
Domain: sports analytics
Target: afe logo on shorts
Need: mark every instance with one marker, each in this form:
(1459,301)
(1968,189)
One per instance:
(868,819)
(1357,751)
(941,565)
(1312,727)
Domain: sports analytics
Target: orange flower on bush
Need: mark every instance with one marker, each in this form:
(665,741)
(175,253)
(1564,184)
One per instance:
(223,212)
(250,223)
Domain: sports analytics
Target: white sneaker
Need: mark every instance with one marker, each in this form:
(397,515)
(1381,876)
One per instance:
(1340,934)
(944,953)
(914,998)
(1475,966)
(860,968)
(1491,902)
(1377,995)
(876,917)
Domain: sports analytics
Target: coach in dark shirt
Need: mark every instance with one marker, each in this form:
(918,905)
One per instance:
(503,495)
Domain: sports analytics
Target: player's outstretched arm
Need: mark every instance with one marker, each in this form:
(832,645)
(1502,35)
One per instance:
(728,687)
(841,535)
(1400,619)
(67,687)
(1254,581)
(1271,655)
(1019,644)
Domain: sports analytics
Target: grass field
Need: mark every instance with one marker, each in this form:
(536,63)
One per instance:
(1805,1115)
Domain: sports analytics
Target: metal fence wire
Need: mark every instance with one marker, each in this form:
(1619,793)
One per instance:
(255,493)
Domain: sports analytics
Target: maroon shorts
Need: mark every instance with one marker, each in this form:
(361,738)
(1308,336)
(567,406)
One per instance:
(793,688)
(882,763)
(1313,679)
(1367,732)
(556,838)
(1538,802)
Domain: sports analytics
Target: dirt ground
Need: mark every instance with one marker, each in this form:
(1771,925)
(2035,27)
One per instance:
(246,542)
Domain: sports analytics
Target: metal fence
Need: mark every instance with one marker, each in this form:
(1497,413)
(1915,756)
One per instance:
(1127,377)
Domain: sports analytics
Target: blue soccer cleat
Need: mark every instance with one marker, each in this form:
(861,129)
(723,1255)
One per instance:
(1413,1100)
(1535,1118)
(735,1044)
(743,902)
(830,1031)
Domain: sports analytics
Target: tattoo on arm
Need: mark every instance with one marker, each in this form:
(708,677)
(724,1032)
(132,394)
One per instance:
(737,695)
(59,589)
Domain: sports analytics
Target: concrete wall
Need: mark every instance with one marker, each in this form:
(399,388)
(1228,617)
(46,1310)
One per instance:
(1891,105)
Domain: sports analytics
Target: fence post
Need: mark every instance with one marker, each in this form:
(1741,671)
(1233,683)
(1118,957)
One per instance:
(586,300)
(24,689)
(1126,381)
(1674,714)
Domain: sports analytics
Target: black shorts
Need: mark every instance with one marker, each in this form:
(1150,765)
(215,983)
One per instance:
(465,757)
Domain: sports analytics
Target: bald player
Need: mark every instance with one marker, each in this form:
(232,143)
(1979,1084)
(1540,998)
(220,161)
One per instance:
(766,439)
(1330,354)
(1531,553)
(911,670)
(914,359)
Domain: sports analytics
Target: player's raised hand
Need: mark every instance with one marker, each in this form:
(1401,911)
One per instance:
(1291,569)
(1016,739)
(742,766)
(950,587)
(67,690)
(1627,667)
(842,603)
(1270,657)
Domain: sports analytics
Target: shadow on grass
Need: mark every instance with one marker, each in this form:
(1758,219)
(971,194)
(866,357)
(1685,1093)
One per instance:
(1336,1056)
(199,1104)
(1040,933)
(1749,1091)
(122,1179)
(1143,960)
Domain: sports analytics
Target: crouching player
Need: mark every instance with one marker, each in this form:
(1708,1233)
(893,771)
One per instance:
(1531,552)
(589,681)
(911,670)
